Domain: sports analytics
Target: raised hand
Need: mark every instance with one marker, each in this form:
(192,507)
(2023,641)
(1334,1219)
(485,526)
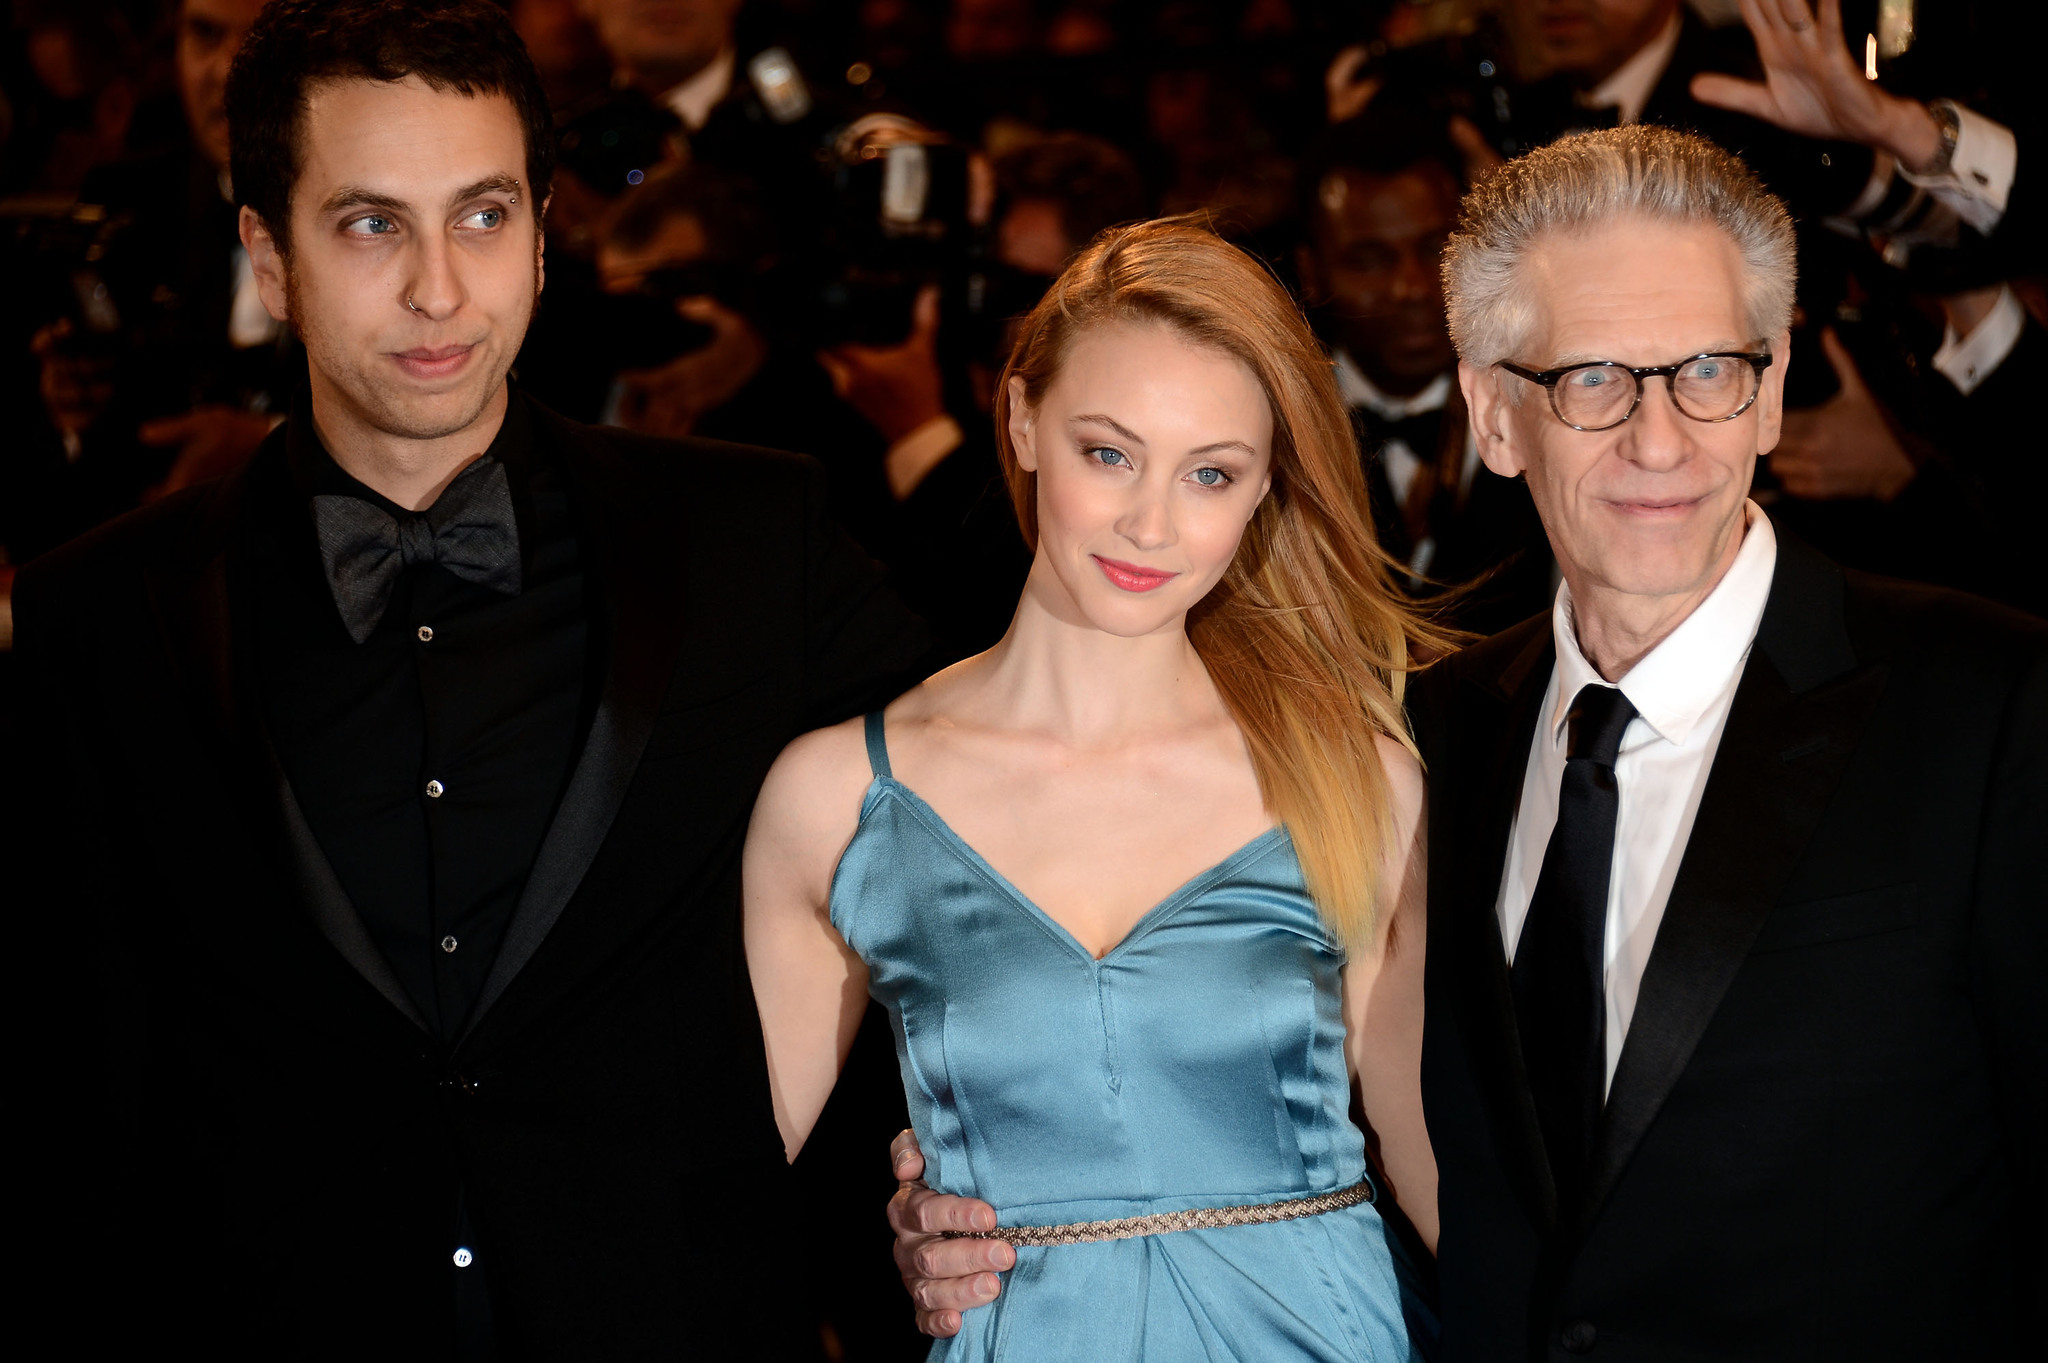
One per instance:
(1814,85)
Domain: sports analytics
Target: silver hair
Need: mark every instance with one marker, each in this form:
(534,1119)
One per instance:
(1597,178)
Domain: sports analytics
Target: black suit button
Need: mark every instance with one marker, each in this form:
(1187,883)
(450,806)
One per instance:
(1579,1337)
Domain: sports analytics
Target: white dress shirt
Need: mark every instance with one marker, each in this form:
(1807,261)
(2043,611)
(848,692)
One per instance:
(1681,690)
(695,98)
(1630,87)
(1400,462)
(1978,180)
(1967,361)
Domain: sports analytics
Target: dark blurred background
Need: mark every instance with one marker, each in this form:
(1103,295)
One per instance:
(811,223)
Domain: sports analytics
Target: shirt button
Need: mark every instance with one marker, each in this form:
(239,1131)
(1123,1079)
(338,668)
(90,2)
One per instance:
(448,944)
(434,790)
(426,633)
(463,1258)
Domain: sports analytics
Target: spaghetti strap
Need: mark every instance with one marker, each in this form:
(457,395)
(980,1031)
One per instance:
(878,747)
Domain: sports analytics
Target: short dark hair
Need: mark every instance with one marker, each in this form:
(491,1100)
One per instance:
(468,46)
(1385,140)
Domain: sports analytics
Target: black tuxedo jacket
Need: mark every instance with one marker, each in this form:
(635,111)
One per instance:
(1824,1139)
(247,1138)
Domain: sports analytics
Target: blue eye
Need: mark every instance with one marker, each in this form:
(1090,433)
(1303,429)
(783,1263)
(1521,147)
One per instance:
(1589,378)
(374,225)
(1708,369)
(486,218)
(1211,477)
(1110,457)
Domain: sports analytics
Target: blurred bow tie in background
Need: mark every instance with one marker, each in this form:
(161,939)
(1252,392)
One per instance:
(1418,432)
(469,530)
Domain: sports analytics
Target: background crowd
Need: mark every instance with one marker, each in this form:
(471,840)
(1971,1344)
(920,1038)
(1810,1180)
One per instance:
(809,224)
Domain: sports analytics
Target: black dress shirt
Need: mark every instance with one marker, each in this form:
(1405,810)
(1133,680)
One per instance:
(429,759)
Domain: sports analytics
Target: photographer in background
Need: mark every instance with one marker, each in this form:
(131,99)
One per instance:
(686,88)
(158,366)
(1545,68)
(692,253)
(736,98)
(681,55)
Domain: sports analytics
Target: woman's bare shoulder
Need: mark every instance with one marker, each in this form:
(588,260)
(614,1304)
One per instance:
(810,803)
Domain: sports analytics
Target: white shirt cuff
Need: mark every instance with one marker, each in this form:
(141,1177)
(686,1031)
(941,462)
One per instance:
(1969,360)
(1979,175)
(921,451)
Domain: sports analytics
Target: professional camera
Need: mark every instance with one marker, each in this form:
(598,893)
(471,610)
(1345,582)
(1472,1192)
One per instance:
(86,281)
(896,218)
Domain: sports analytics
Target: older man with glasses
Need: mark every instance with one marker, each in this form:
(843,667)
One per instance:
(1735,1038)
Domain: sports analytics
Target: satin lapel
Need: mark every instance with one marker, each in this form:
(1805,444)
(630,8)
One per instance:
(639,619)
(1489,790)
(194,598)
(1798,711)
(332,911)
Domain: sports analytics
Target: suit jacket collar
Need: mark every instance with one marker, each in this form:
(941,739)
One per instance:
(635,558)
(197,593)
(1798,712)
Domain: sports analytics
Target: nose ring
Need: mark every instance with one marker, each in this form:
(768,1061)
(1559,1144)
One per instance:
(409,303)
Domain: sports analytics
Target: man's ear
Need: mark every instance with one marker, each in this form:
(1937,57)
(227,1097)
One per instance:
(1023,427)
(1492,419)
(266,258)
(1770,395)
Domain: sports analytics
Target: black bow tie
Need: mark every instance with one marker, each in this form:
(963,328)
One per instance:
(1418,432)
(469,530)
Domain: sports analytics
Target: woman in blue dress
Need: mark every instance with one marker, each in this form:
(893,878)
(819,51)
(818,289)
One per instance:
(1139,886)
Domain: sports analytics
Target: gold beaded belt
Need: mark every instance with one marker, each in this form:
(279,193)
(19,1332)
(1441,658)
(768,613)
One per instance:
(1162,1223)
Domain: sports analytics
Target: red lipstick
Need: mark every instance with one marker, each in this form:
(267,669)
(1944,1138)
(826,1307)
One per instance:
(1131,576)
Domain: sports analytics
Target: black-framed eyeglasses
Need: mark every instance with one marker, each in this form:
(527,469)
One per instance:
(1601,394)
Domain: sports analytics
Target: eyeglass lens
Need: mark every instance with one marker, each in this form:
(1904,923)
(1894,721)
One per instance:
(1712,388)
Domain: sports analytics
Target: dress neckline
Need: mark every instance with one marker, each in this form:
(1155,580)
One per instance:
(1146,921)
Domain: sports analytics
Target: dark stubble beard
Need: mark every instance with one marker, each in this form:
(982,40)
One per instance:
(372,401)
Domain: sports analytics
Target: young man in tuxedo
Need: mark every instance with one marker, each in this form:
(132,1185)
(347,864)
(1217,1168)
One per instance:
(398,781)
(1735,1031)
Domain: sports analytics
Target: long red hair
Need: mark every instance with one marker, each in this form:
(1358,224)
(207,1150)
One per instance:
(1306,636)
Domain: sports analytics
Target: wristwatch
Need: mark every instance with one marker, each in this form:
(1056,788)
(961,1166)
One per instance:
(1949,124)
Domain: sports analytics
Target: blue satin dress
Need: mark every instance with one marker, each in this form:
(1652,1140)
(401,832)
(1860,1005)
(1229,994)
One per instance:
(1198,1064)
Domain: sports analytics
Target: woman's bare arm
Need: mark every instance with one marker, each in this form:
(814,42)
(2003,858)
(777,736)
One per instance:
(809,986)
(1383,1007)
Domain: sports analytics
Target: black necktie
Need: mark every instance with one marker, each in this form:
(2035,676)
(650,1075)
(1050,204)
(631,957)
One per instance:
(1560,1004)
(469,530)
